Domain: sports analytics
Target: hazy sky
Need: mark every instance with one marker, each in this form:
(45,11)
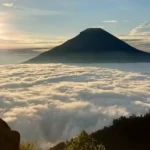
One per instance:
(46,23)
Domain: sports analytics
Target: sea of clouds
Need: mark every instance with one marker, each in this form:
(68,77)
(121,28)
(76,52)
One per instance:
(53,102)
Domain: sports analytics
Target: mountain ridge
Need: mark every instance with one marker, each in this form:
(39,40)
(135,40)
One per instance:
(93,45)
(125,133)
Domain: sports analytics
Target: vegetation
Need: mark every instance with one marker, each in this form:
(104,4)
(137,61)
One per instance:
(130,133)
(60,146)
(28,146)
(83,142)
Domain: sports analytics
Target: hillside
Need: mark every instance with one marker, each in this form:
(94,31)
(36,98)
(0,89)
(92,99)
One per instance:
(124,134)
(93,45)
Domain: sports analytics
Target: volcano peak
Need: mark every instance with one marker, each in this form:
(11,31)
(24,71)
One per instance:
(93,45)
(92,31)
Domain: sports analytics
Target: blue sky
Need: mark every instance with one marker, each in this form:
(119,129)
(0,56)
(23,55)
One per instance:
(47,23)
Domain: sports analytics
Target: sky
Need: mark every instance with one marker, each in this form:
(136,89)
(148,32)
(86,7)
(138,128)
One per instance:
(31,24)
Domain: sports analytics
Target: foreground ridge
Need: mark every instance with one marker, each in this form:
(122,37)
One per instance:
(124,134)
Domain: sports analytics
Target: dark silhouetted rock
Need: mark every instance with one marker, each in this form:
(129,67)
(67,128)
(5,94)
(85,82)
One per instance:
(9,140)
(93,45)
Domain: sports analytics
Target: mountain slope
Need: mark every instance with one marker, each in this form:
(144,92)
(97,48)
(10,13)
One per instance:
(130,133)
(93,45)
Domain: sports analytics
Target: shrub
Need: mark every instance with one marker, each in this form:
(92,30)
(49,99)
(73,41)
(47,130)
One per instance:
(28,146)
(83,142)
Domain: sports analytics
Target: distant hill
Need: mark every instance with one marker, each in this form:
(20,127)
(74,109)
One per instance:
(124,134)
(93,45)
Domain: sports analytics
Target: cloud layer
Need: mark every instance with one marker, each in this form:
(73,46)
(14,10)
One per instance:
(50,103)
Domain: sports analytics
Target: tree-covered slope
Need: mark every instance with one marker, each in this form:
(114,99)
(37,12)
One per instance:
(131,133)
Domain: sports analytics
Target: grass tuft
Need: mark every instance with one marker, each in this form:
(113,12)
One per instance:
(28,146)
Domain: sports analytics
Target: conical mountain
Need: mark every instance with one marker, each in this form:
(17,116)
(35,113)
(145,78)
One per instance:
(93,45)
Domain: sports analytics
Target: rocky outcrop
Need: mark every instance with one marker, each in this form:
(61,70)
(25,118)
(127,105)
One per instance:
(9,139)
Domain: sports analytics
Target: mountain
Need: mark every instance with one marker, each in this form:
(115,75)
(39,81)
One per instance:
(93,45)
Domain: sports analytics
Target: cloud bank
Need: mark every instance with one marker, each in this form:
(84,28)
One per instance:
(51,103)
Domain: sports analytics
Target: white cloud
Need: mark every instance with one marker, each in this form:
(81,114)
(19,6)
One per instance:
(54,102)
(115,21)
(143,29)
(139,37)
(8,4)
(102,27)
(27,11)
(110,21)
